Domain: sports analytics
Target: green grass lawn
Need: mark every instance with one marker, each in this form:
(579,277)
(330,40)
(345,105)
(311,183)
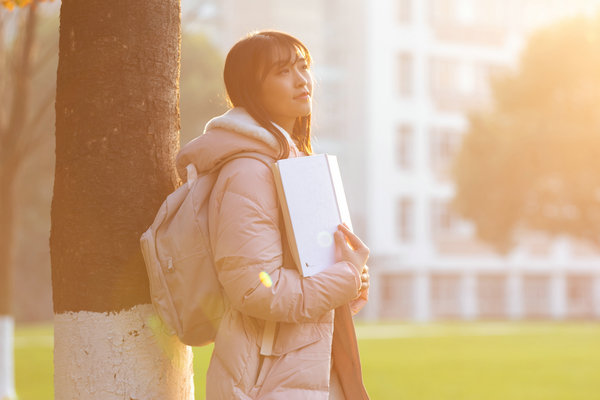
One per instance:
(458,361)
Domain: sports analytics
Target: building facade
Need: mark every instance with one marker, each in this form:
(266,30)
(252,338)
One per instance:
(429,64)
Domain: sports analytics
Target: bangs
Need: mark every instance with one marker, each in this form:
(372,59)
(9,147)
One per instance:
(279,51)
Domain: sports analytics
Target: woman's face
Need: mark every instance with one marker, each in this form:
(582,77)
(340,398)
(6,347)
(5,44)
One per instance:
(286,92)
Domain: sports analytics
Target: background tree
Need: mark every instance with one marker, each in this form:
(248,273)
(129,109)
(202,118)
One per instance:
(533,161)
(117,122)
(202,86)
(21,133)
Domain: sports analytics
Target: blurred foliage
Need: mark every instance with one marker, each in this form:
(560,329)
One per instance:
(533,160)
(32,294)
(202,90)
(11,4)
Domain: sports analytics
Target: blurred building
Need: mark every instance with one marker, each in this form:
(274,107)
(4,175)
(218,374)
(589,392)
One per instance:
(429,63)
(395,80)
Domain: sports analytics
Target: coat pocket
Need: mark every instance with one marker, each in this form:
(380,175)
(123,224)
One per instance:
(291,336)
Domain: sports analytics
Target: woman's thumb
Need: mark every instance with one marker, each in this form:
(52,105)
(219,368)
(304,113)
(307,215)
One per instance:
(336,236)
(339,237)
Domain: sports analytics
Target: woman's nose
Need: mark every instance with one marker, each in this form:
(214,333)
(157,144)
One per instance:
(301,80)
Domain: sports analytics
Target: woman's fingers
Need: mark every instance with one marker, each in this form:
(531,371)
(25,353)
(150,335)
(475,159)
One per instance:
(364,282)
(355,242)
(350,248)
(339,237)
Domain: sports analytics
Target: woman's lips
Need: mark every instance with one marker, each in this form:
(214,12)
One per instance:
(303,96)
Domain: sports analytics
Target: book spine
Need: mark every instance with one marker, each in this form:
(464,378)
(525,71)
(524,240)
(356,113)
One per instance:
(285,212)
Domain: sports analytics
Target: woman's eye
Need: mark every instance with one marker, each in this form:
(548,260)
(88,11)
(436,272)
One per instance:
(284,71)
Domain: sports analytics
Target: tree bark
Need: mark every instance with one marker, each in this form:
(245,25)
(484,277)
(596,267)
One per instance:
(117,123)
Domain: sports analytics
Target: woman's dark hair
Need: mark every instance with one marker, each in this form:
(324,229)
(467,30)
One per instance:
(246,67)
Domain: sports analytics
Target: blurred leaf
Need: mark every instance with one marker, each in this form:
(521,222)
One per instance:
(533,161)
(11,4)
(202,87)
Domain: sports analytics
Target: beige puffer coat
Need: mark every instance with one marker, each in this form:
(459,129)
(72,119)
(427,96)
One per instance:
(247,237)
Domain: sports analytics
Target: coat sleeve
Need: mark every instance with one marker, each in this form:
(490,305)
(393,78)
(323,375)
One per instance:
(357,304)
(244,224)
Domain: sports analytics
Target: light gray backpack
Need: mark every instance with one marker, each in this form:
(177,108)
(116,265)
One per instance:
(184,288)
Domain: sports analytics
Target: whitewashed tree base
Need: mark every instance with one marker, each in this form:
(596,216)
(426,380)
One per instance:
(125,355)
(7,351)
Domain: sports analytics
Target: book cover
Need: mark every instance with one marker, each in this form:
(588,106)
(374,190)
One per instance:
(313,202)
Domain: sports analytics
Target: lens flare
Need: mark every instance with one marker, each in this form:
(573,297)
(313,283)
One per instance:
(265,279)
(325,239)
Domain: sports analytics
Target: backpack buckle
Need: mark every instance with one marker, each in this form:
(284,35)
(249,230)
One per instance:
(192,174)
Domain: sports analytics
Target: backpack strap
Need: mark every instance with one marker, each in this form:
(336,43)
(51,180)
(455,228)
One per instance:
(268,337)
(193,174)
(257,156)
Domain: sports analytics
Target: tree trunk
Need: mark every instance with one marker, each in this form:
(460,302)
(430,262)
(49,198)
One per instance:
(117,122)
(7,375)
(7,242)
(7,381)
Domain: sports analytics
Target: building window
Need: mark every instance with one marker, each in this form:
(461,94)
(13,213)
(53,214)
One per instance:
(404,146)
(458,86)
(536,296)
(442,11)
(444,145)
(404,11)
(396,296)
(333,125)
(480,22)
(465,12)
(580,296)
(492,296)
(443,219)
(405,74)
(481,14)
(444,76)
(404,219)
(445,295)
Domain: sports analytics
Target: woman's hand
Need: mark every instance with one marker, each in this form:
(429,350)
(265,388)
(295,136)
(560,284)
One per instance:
(365,279)
(350,248)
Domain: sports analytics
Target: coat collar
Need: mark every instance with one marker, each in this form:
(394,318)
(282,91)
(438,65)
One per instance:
(239,121)
(233,132)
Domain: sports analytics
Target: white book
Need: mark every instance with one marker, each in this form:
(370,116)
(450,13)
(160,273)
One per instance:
(313,202)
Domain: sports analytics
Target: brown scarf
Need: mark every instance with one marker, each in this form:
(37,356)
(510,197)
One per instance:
(346,359)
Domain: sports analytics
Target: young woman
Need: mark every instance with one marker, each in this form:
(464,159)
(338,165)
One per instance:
(283,336)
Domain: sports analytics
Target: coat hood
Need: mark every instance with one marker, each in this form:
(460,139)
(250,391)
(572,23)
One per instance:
(233,132)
